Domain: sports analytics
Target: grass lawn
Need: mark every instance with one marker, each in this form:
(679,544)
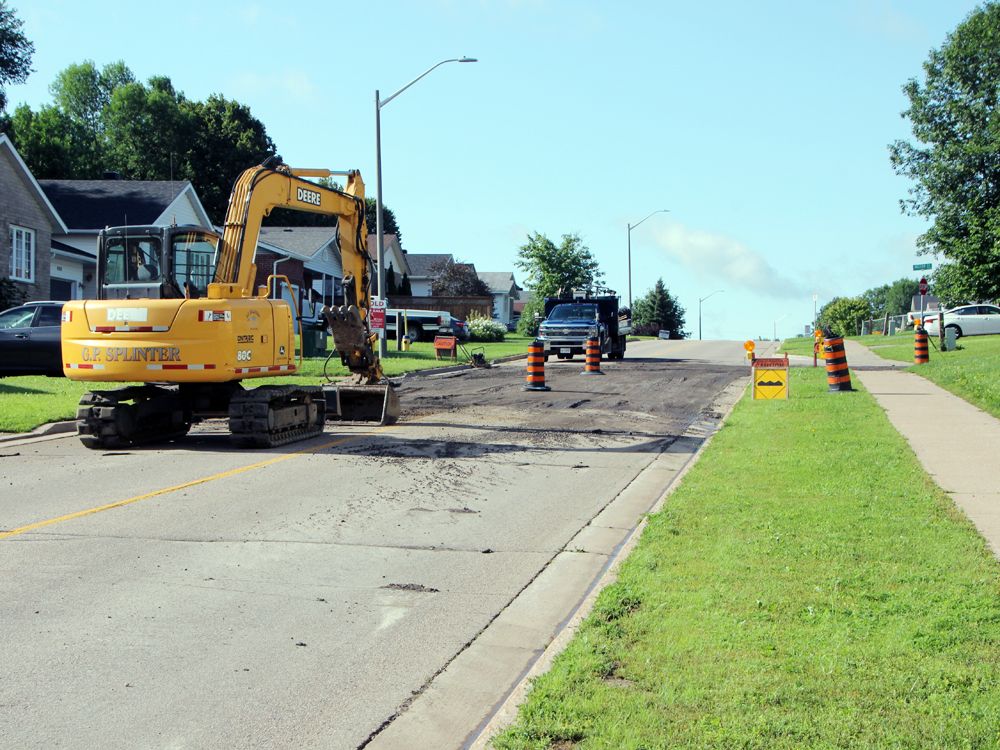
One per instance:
(807,585)
(29,401)
(970,372)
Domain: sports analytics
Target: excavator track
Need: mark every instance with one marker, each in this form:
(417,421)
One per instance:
(131,416)
(270,416)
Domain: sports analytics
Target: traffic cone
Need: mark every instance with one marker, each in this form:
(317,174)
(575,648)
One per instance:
(921,353)
(592,363)
(838,377)
(536,367)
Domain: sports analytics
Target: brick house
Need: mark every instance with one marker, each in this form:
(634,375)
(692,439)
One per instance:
(27,222)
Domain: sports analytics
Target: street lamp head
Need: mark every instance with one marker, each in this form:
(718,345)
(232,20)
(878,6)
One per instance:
(467,59)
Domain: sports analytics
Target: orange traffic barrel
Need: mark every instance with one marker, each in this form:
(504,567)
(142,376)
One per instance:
(838,377)
(592,363)
(536,367)
(921,354)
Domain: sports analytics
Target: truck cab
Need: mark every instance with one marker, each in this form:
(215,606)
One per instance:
(570,322)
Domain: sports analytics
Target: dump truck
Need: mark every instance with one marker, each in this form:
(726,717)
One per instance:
(570,321)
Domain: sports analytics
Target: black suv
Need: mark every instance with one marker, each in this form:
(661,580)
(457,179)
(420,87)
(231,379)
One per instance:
(30,342)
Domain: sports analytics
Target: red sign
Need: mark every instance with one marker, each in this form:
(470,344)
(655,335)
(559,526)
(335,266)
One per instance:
(923,286)
(376,315)
(771,363)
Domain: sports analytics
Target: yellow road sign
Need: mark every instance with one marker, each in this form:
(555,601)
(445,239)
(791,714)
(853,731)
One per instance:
(770,379)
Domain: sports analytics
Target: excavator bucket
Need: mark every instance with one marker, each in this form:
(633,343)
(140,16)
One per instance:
(377,404)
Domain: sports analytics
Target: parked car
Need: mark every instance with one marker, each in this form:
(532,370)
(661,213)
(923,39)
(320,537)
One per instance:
(30,342)
(967,320)
(460,329)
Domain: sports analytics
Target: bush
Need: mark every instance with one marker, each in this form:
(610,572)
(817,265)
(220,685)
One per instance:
(11,294)
(527,325)
(482,328)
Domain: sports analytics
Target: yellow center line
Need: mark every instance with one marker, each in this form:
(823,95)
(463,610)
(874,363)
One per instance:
(175,488)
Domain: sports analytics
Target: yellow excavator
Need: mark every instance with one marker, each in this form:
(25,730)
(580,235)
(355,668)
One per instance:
(178,319)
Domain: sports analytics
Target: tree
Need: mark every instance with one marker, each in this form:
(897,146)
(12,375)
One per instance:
(657,311)
(891,299)
(103,119)
(48,141)
(15,51)
(389,225)
(226,139)
(390,280)
(948,285)
(553,269)
(82,93)
(457,280)
(149,132)
(956,162)
(527,325)
(843,315)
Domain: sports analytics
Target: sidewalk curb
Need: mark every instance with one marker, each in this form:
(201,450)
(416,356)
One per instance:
(52,428)
(506,712)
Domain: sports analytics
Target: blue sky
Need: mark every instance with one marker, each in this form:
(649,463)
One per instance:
(762,127)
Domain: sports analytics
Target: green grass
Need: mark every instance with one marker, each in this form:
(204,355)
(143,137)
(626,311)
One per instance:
(970,372)
(800,345)
(807,586)
(29,401)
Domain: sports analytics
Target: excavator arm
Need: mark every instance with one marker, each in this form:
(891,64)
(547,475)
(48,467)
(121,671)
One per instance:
(275,185)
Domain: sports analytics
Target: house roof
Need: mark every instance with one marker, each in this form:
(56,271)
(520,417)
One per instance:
(95,204)
(498,281)
(70,250)
(42,197)
(304,241)
(392,248)
(421,264)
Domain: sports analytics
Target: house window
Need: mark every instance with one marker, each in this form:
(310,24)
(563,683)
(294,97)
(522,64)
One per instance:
(22,254)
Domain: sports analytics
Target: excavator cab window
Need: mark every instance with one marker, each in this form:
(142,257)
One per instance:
(132,260)
(194,257)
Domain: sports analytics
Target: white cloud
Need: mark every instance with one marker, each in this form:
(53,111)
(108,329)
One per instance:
(726,261)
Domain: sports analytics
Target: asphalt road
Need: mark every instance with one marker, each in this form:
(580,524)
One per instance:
(190,595)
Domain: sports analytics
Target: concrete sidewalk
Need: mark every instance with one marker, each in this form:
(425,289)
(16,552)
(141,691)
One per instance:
(957,443)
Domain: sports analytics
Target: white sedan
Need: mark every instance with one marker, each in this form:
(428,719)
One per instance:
(967,320)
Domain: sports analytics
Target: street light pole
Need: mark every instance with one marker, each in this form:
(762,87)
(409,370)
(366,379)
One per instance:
(775,332)
(630,228)
(717,291)
(379,238)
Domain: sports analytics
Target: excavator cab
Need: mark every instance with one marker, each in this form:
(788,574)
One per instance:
(155,262)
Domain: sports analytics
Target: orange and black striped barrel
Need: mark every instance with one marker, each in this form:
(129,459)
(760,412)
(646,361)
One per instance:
(838,377)
(592,363)
(536,367)
(921,354)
